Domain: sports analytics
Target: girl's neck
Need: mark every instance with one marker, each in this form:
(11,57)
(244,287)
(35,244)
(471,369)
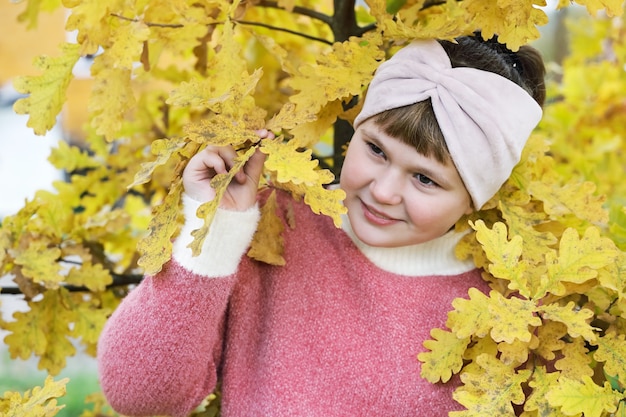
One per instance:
(435,257)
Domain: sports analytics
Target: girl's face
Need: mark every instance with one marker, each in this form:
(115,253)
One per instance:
(396,196)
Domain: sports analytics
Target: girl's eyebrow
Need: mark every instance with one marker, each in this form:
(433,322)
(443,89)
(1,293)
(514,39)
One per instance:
(436,176)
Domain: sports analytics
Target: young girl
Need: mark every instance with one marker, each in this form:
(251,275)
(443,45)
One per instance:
(337,330)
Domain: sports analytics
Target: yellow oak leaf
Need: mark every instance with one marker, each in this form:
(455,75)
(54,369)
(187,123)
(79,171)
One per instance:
(443,21)
(445,357)
(89,319)
(44,331)
(36,402)
(212,93)
(267,243)
(92,276)
(578,260)
(484,345)
(163,149)
(289,163)
(542,382)
(515,353)
(504,255)
(615,276)
(523,222)
(126,45)
(576,319)
(156,247)
(221,130)
(338,74)
(515,22)
(512,318)
(41,263)
(550,336)
(612,7)
(572,198)
(55,212)
(575,361)
(612,351)
(291,116)
(207,210)
(111,97)
(309,134)
(326,201)
(490,389)
(584,396)
(30,15)
(470,317)
(71,158)
(46,91)
(91,21)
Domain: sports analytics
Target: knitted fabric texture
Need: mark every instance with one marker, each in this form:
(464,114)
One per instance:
(485,118)
(328,334)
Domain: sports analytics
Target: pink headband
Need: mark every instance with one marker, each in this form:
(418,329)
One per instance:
(485,118)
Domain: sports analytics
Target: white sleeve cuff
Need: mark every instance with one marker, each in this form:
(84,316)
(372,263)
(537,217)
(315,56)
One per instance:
(228,239)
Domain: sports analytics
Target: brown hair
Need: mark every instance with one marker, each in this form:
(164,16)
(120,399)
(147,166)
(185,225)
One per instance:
(416,124)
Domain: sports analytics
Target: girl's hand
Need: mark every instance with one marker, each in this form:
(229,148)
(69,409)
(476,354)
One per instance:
(241,192)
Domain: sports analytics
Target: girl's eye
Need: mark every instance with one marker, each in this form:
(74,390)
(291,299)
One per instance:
(375,149)
(423,179)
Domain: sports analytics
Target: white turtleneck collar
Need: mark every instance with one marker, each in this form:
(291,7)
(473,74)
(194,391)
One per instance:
(435,257)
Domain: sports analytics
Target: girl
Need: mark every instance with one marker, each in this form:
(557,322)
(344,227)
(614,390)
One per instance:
(336,331)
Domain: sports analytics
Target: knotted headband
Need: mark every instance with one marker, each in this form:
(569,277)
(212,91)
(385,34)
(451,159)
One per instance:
(485,118)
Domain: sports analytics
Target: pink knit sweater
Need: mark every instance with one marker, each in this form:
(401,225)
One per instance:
(334,332)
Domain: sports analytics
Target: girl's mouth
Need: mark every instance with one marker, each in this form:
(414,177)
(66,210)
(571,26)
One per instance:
(377,217)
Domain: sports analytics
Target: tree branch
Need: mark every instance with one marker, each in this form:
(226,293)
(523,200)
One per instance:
(299,10)
(118,281)
(242,22)
(279,29)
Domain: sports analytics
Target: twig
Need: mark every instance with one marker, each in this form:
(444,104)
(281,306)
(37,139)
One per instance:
(279,29)
(118,281)
(299,10)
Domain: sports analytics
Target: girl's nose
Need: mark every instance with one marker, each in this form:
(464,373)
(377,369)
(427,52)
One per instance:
(386,188)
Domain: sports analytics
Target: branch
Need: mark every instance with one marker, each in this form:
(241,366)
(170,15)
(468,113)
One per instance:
(150,24)
(299,10)
(242,22)
(118,281)
(279,29)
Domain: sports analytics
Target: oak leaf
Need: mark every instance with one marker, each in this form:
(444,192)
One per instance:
(267,243)
(44,330)
(470,317)
(577,260)
(40,263)
(71,158)
(491,389)
(37,402)
(575,318)
(541,383)
(46,91)
(504,255)
(207,210)
(445,357)
(575,361)
(612,351)
(583,396)
(512,318)
(156,247)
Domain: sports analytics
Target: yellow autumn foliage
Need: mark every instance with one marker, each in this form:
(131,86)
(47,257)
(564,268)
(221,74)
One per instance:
(172,77)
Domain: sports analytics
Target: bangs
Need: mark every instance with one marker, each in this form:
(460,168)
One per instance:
(416,125)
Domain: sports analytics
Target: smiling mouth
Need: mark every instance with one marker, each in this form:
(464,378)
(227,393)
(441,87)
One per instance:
(377,217)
